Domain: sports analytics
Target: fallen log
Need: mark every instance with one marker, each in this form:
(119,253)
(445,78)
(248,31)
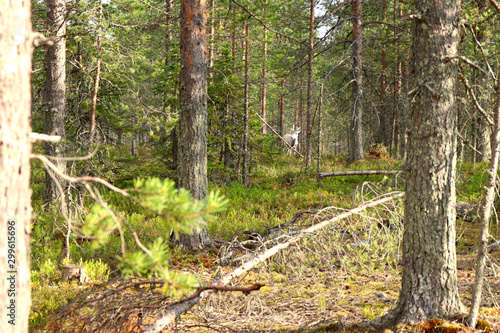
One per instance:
(182,306)
(358,173)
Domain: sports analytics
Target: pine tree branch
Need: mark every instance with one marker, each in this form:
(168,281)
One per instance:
(474,99)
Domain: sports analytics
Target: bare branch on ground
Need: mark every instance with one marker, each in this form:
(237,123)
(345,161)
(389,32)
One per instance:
(182,307)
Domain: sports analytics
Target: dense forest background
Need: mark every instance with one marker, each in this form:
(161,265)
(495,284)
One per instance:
(125,55)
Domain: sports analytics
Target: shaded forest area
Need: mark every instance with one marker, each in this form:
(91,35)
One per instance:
(251,157)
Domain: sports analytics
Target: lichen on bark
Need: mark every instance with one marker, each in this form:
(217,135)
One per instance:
(429,277)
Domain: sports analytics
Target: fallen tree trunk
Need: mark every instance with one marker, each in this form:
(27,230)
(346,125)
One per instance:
(183,306)
(357,173)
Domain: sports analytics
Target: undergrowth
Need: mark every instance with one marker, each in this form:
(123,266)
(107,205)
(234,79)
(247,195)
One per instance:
(331,267)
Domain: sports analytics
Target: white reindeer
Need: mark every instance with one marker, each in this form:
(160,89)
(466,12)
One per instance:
(292,139)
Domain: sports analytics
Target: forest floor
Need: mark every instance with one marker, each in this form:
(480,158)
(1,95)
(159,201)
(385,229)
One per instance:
(309,289)
(345,274)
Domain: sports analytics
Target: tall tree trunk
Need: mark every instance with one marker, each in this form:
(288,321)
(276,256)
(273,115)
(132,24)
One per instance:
(384,116)
(356,130)
(299,112)
(384,130)
(404,112)
(320,120)
(97,79)
(309,110)
(192,170)
(167,94)
(168,46)
(15,149)
(233,43)
(245,117)
(429,278)
(55,90)
(485,215)
(212,39)
(395,137)
(282,108)
(264,81)
(484,139)
(483,129)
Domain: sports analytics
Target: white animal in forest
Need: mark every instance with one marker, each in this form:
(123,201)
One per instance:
(292,139)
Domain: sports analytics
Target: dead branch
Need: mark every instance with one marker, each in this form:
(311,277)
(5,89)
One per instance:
(184,306)
(495,4)
(490,70)
(264,24)
(34,137)
(244,290)
(85,179)
(358,173)
(467,143)
(272,129)
(298,216)
(474,99)
(40,40)
(89,179)
(485,215)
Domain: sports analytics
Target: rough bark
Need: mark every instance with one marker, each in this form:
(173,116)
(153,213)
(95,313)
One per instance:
(168,32)
(55,89)
(396,116)
(233,43)
(97,79)
(404,113)
(15,150)
(192,169)
(384,131)
(429,277)
(320,121)
(212,38)
(282,108)
(356,130)
(309,110)
(484,142)
(245,115)
(264,80)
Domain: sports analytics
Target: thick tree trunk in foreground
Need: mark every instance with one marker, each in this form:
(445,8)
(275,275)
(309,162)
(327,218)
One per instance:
(192,169)
(55,89)
(15,150)
(429,277)
(356,130)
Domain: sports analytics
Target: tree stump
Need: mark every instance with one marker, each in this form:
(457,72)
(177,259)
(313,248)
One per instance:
(70,272)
